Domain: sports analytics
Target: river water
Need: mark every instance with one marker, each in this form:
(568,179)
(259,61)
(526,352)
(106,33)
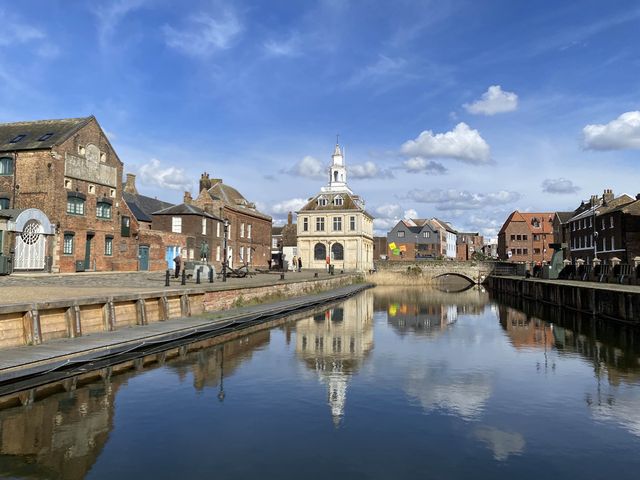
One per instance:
(392,383)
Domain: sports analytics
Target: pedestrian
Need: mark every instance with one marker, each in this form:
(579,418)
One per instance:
(178,262)
(294,263)
(299,264)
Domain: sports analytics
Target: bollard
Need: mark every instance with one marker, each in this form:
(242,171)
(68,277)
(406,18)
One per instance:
(210,275)
(184,278)
(282,276)
(315,275)
(166,278)
(198,270)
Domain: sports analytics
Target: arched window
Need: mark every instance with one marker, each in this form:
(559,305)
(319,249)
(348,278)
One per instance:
(337,251)
(335,175)
(319,251)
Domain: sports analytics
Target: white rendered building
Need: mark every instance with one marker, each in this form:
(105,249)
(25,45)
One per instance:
(333,227)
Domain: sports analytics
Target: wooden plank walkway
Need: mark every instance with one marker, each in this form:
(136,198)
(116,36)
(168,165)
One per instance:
(22,361)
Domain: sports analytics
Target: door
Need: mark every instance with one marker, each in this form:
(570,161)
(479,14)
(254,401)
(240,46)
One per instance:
(172,252)
(87,252)
(143,256)
(30,247)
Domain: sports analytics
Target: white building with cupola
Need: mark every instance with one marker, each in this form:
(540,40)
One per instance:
(333,227)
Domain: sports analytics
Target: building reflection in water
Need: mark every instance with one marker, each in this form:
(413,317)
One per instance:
(428,312)
(611,349)
(335,343)
(62,435)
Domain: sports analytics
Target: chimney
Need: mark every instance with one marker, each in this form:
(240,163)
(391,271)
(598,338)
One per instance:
(187,198)
(607,196)
(205,183)
(130,185)
(289,218)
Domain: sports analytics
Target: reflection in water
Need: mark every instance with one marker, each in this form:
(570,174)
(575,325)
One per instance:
(335,343)
(500,442)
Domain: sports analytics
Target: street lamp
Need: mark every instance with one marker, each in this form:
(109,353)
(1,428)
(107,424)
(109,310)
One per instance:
(224,249)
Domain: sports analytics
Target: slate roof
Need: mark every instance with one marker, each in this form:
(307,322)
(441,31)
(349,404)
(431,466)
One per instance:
(564,216)
(349,203)
(185,209)
(142,206)
(276,230)
(60,130)
(233,199)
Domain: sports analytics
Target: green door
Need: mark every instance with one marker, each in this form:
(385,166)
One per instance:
(87,252)
(143,255)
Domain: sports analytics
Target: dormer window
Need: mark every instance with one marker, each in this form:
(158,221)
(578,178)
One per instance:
(18,138)
(322,202)
(338,201)
(536,223)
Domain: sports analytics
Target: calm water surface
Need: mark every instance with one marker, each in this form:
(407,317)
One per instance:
(393,383)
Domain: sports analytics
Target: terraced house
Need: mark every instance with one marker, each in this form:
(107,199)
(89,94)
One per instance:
(61,198)
(333,227)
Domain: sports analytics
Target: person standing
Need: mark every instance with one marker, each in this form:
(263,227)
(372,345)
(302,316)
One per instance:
(299,264)
(178,261)
(294,263)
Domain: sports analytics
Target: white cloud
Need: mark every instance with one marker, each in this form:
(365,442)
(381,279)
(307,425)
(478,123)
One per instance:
(286,206)
(494,100)
(389,214)
(309,167)
(462,199)
(367,170)
(421,165)
(619,134)
(503,444)
(110,14)
(462,143)
(284,48)
(559,185)
(152,173)
(16,31)
(204,34)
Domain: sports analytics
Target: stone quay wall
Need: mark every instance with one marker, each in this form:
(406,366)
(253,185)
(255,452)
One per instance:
(614,302)
(412,273)
(36,323)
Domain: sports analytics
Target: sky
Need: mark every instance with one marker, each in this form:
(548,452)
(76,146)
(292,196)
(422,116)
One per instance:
(461,110)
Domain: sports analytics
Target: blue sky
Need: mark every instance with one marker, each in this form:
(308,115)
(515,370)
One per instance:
(464,110)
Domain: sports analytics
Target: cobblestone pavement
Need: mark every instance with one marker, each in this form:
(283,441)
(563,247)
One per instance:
(23,288)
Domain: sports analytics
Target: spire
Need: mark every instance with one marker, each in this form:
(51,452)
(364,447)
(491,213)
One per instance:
(337,172)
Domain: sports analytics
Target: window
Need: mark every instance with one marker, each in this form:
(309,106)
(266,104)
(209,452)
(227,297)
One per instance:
(426,234)
(613,243)
(513,237)
(602,224)
(17,138)
(248,255)
(319,251)
(67,183)
(611,222)
(67,248)
(518,237)
(81,150)
(518,251)
(108,246)
(46,136)
(590,221)
(524,237)
(176,224)
(92,189)
(75,205)
(242,253)
(525,251)
(352,223)
(337,251)
(249,231)
(242,230)
(4,203)
(604,243)
(204,226)
(536,223)
(337,224)
(112,192)
(536,237)
(536,251)
(6,166)
(103,157)
(322,201)
(305,224)
(338,201)
(218,229)
(320,224)
(573,226)
(400,234)
(218,253)
(103,210)
(125,227)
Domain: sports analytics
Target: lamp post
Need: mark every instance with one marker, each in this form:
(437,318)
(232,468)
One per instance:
(224,249)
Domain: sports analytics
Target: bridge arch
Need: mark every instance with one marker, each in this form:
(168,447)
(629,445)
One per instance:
(456,274)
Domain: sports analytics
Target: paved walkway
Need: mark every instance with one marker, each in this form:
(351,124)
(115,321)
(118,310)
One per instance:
(616,287)
(18,362)
(27,288)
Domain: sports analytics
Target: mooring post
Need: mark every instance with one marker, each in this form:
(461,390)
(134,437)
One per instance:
(210,275)
(198,275)
(184,278)
(282,276)
(166,278)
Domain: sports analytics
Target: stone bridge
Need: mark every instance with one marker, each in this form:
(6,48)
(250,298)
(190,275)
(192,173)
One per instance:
(429,271)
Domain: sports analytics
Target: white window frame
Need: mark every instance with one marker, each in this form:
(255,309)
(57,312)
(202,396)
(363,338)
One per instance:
(611,222)
(242,231)
(218,229)
(204,225)
(176,224)
(218,253)
(337,222)
(248,230)
(319,224)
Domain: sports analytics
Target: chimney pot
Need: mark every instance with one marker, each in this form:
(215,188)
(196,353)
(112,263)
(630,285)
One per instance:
(187,198)
(289,218)
(130,184)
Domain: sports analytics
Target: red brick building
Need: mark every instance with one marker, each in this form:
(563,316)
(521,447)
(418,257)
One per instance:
(468,243)
(525,238)
(61,179)
(249,231)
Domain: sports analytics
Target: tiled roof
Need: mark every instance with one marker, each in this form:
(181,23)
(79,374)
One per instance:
(142,206)
(233,199)
(185,209)
(545,219)
(52,132)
